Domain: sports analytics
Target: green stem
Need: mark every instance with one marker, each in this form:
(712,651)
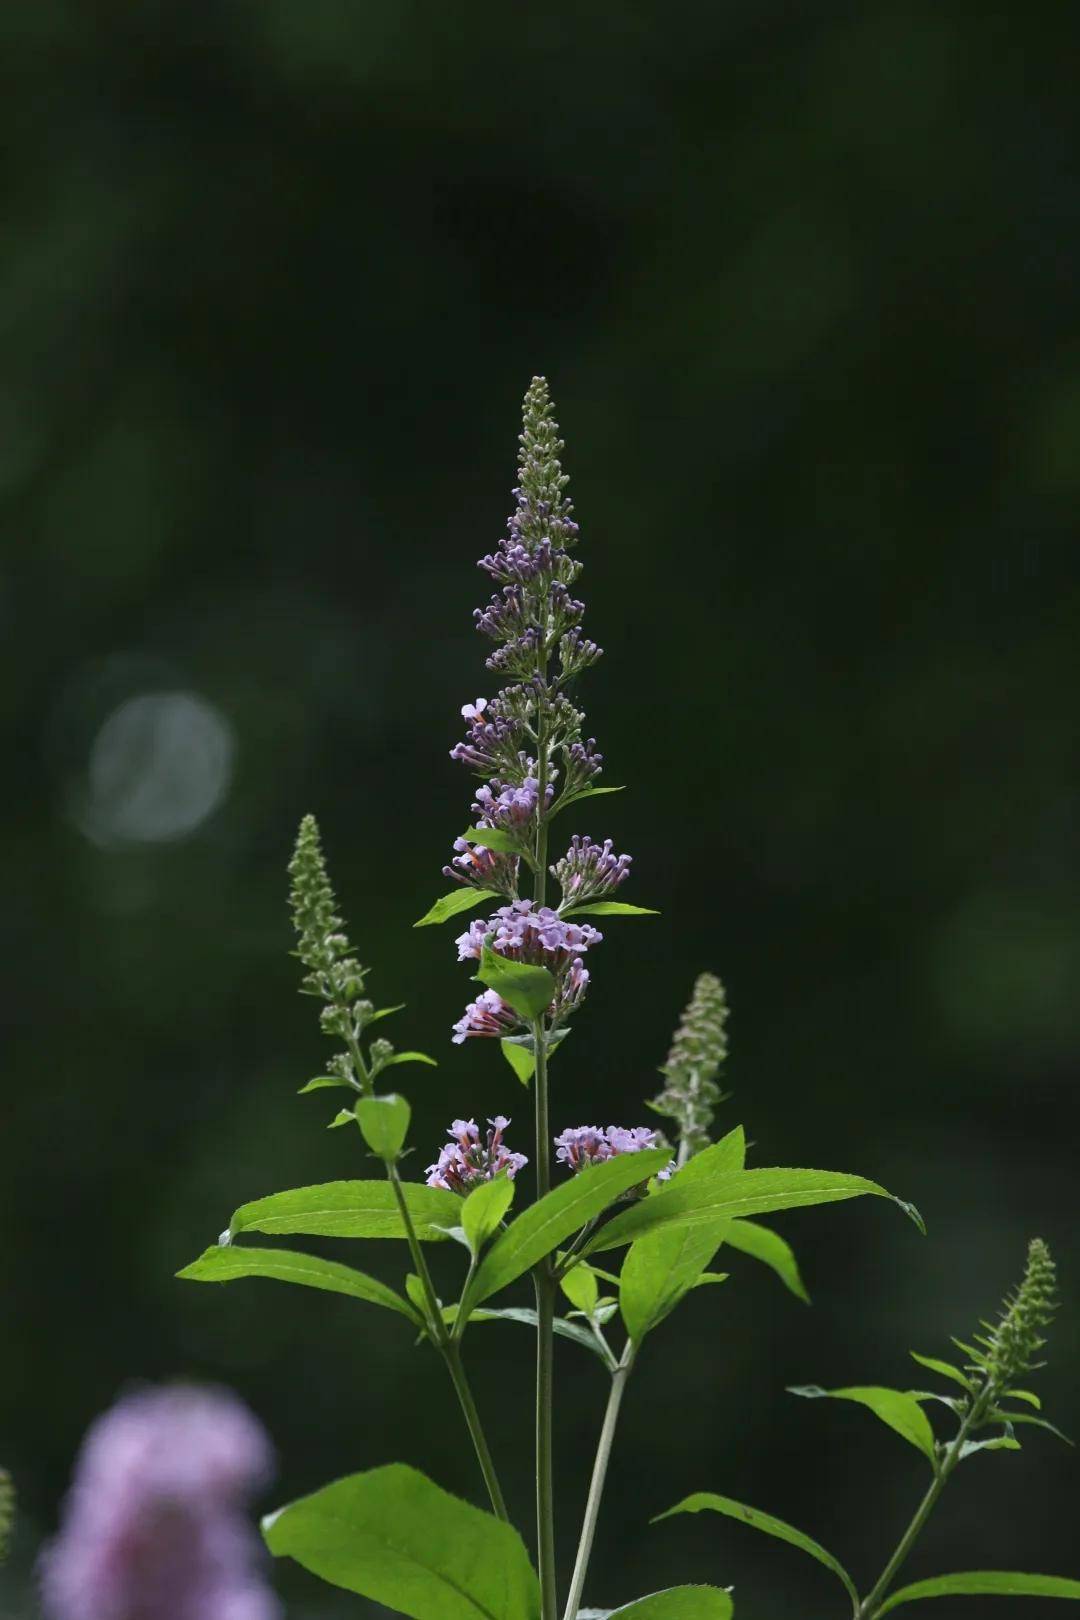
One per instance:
(868,1608)
(546,1290)
(450,1352)
(599,1478)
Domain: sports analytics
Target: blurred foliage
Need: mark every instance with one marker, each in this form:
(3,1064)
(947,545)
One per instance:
(272,280)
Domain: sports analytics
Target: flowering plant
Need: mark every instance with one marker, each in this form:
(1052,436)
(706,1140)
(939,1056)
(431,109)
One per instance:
(625,1222)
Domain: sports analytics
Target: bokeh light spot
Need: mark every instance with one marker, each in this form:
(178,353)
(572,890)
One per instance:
(159,766)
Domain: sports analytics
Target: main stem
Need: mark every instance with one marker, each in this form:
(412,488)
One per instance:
(543,1277)
(450,1353)
(599,1479)
(869,1605)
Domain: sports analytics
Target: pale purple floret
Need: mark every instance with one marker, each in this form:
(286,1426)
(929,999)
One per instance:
(467,1159)
(154,1526)
(583,1145)
(488,1015)
(482,868)
(509,805)
(588,870)
(529,933)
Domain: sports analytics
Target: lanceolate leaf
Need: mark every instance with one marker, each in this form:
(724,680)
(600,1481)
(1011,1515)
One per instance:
(394,1537)
(985,1583)
(586,793)
(410,1057)
(452,905)
(545,1224)
(219,1265)
(678,1603)
(900,1410)
(686,1201)
(529,990)
(944,1369)
(610,908)
(766,1523)
(768,1247)
(359,1209)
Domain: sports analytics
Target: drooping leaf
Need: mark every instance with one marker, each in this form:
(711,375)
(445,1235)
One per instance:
(679,1603)
(393,1536)
(218,1265)
(895,1407)
(528,989)
(493,838)
(358,1209)
(384,1124)
(452,905)
(1024,1395)
(520,1059)
(523,1314)
(484,1208)
(688,1201)
(944,1369)
(610,908)
(1001,1416)
(998,1442)
(770,1248)
(409,1057)
(564,1210)
(770,1527)
(322,1081)
(984,1583)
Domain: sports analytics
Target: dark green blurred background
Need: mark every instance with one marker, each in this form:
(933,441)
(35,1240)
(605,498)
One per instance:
(273,277)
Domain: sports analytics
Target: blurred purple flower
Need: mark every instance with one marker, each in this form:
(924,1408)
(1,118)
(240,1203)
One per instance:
(582,1145)
(154,1526)
(466,1160)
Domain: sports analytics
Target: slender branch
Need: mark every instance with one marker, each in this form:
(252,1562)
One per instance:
(868,1608)
(451,1354)
(599,1478)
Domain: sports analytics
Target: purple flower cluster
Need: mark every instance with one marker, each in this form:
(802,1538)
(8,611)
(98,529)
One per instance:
(588,870)
(529,933)
(467,1159)
(582,1145)
(482,868)
(511,806)
(488,1015)
(154,1524)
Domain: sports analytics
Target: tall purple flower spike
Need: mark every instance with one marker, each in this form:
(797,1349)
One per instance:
(155,1524)
(527,742)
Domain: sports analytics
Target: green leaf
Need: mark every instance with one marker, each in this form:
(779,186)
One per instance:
(384,1124)
(520,1059)
(660,1269)
(564,1329)
(344,1116)
(357,1209)
(322,1081)
(609,908)
(544,1225)
(484,1208)
(586,793)
(944,1369)
(768,1525)
(581,1288)
(493,838)
(770,1248)
(1000,1442)
(384,1012)
(220,1265)
(687,1201)
(1001,1416)
(984,1583)
(394,1537)
(894,1407)
(452,905)
(410,1057)
(678,1603)
(528,989)
(1023,1395)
